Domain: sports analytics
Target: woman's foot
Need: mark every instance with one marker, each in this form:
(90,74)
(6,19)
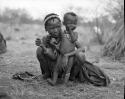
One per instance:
(51,82)
(46,76)
(71,83)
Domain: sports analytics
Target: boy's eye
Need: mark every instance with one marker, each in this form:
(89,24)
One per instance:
(71,25)
(70,22)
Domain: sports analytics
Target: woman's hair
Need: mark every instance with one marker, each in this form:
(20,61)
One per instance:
(49,17)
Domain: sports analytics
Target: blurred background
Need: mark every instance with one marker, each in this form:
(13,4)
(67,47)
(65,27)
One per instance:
(99,20)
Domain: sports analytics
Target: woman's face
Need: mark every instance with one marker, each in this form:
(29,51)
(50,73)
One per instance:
(54,27)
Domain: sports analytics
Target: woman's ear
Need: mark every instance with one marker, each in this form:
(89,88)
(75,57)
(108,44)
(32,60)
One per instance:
(46,29)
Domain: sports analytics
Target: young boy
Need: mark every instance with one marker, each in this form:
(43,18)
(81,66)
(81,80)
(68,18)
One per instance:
(82,70)
(67,47)
(70,22)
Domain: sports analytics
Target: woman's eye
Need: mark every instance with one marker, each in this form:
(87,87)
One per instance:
(58,27)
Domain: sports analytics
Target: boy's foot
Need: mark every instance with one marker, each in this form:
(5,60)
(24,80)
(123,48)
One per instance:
(50,82)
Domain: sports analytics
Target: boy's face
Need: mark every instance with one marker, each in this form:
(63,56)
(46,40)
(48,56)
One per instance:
(70,22)
(54,27)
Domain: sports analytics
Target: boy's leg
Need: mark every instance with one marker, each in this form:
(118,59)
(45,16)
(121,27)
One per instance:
(74,72)
(69,67)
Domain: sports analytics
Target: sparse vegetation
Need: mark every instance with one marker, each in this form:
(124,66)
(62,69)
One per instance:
(17,16)
(3,46)
(115,46)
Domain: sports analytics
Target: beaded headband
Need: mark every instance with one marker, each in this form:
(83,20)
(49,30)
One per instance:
(50,17)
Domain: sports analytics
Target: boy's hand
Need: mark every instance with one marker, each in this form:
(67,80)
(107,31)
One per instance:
(71,27)
(38,42)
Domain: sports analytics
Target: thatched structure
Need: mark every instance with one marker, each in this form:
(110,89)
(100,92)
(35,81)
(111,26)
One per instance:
(115,47)
(3,46)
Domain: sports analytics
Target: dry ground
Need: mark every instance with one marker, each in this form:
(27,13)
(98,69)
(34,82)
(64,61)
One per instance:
(21,57)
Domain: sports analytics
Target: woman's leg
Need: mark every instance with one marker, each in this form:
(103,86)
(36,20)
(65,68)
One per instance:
(74,70)
(80,56)
(44,62)
(75,73)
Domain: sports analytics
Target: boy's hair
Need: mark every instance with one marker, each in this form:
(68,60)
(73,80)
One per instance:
(70,13)
(49,17)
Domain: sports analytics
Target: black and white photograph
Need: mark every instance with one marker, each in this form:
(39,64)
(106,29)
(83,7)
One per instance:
(62,49)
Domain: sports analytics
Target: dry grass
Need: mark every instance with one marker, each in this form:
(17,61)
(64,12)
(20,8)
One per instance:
(115,47)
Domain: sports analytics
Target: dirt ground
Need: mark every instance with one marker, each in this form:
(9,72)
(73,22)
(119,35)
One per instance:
(21,57)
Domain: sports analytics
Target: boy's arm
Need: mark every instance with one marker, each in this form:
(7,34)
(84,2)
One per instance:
(79,49)
(74,37)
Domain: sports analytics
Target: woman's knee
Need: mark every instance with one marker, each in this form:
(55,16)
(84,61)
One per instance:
(39,52)
(81,56)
